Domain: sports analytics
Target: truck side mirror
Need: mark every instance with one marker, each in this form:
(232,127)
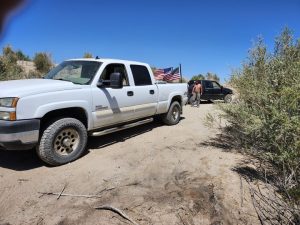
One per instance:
(116,80)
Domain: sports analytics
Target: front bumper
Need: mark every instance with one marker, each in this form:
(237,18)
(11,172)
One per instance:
(19,135)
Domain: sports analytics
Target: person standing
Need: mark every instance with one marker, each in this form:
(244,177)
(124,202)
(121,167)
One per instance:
(197,90)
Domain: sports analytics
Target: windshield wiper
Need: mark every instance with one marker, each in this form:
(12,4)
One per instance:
(67,80)
(62,79)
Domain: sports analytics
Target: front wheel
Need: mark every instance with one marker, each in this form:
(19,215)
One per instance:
(228,98)
(172,117)
(62,141)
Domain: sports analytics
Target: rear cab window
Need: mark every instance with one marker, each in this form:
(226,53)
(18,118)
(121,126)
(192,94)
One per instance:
(141,75)
(216,85)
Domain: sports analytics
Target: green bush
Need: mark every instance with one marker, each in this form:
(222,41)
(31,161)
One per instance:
(88,55)
(267,114)
(8,65)
(42,62)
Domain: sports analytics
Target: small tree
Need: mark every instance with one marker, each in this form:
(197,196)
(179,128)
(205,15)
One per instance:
(212,76)
(9,69)
(42,62)
(21,56)
(9,54)
(88,55)
(198,77)
(267,117)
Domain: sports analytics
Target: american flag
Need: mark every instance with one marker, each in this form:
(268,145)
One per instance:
(174,75)
(159,74)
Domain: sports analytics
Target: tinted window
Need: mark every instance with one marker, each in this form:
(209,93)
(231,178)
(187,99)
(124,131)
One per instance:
(208,84)
(141,75)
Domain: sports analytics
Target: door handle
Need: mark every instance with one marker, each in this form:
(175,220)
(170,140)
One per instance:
(152,92)
(130,93)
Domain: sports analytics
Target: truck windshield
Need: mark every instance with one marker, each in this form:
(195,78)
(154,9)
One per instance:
(78,72)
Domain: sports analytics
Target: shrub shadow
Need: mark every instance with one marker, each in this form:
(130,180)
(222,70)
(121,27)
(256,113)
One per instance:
(227,142)
(224,140)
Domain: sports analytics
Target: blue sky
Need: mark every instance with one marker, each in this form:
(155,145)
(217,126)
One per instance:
(203,36)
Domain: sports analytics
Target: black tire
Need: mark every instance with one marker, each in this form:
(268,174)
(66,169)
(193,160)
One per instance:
(172,117)
(63,141)
(228,98)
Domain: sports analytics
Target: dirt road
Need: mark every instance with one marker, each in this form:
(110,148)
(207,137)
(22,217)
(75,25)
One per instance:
(154,173)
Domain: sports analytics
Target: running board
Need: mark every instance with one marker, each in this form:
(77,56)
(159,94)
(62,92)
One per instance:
(123,127)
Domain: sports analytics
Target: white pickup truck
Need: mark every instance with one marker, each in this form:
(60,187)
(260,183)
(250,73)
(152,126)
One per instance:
(82,97)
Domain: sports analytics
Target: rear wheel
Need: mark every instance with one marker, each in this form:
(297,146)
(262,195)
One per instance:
(62,141)
(172,117)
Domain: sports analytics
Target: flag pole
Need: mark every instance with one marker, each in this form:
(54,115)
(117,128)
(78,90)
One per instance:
(180,72)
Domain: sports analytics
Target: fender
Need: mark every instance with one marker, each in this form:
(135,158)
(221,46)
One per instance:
(172,95)
(44,109)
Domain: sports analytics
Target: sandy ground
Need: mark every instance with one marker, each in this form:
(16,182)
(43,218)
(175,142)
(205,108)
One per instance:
(155,174)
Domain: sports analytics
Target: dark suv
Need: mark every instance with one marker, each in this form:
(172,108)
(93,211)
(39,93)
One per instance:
(212,90)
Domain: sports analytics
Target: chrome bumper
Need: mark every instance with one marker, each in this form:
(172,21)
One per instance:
(19,135)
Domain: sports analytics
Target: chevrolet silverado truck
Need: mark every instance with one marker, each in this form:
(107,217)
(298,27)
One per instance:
(81,98)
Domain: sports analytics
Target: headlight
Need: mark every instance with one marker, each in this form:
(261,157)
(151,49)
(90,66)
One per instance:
(8,102)
(7,115)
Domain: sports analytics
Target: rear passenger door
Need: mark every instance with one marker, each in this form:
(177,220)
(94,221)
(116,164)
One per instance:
(207,90)
(217,91)
(145,92)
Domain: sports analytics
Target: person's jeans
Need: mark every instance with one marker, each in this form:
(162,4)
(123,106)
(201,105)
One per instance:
(197,99)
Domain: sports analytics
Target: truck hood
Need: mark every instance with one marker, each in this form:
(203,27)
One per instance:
(227,91)
(22,88)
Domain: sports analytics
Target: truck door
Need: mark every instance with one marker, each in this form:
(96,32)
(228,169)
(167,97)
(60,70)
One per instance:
(207,90)
(217,91)
(112,106)
(145,92)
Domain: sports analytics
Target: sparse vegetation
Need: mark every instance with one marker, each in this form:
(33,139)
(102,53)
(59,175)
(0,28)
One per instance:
(21,56)
(88,55)
(8,65)
(43,62)
(198,77)
(266,117)
(208,76)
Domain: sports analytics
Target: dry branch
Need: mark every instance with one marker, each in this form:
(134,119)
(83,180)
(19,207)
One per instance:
(115,210)
(62,190)
(70,195)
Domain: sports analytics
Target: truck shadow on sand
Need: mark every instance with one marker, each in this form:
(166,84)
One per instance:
(121,136)
(20,160)
(27,160)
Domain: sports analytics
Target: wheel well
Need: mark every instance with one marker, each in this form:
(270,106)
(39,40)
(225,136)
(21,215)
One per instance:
(177,99)
(74,112)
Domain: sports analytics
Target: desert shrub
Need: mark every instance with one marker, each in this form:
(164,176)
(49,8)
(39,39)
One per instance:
(33,74)
(21,56)
(8,65)
(42,62)
(267,116)
(88,55)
